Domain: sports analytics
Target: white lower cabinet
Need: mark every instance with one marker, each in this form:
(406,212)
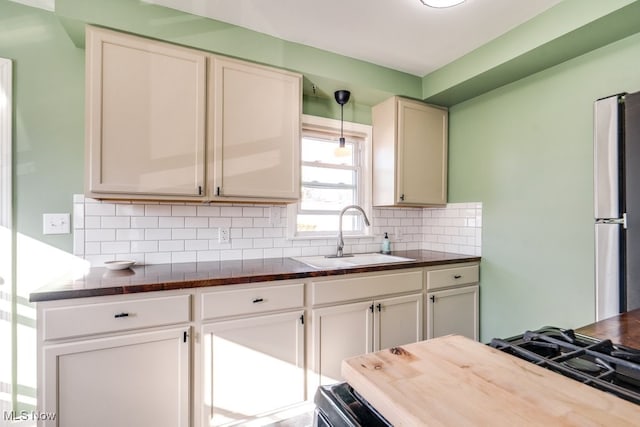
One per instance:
(377,318)
(339,332)
(348,330)
(252,354)
(397,321)
(230,355)
(116,360)
(252,367)
(137,379)
(452,301)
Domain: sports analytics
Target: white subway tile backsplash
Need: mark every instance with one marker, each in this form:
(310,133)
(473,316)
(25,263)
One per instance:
(183,210)
(171,222)
(171,245)
(157,210)
(183,233)
(196,222)
(99,235)
(241,222)
(144,222)
(207,211)
(130,234)
(115,247)
(99,209)
(115,222)
(157,234)
(129,210)
(164,232)
(144,246)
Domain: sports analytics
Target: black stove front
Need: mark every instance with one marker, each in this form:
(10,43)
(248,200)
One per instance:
(600,364)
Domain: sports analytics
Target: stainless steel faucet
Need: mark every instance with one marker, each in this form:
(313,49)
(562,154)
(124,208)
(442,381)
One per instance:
(340,240)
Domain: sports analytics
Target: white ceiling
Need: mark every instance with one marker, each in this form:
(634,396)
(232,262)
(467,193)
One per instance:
(403,35)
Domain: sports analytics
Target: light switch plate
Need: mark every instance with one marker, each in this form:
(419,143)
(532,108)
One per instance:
(56,223)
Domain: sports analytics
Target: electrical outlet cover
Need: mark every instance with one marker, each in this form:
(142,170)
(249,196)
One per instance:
(223,235)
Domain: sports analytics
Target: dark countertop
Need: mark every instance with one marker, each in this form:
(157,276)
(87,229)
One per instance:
(99,281)
(621,329)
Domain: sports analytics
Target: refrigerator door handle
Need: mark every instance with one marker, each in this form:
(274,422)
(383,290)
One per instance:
(620,221)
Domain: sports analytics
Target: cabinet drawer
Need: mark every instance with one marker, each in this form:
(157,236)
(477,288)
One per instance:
(248,301)
(446,278)
(362,287)
(87,319)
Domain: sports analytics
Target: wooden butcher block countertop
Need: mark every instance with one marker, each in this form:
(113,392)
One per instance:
(454,381)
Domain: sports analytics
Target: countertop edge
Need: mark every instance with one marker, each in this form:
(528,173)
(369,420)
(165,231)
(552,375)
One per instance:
(48,294)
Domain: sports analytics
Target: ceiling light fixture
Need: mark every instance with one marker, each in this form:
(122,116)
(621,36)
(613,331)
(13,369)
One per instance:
(441,3)
(342,97)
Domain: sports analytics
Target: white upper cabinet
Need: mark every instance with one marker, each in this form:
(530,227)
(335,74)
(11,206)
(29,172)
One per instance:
(145,117)
(171,123)
(409,153)
(256,131)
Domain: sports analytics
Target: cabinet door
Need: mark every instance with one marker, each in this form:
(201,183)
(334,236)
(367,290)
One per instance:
(398,321)
(252,366)
(454,311)
(256,130)
(145,115)
(131,380)
(422,154)
(340,332)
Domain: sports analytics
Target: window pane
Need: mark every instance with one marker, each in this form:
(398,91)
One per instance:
(318,150)
(328,176)
(328,223)
(326,199)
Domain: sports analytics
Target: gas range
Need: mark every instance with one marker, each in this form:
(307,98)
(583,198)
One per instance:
(599,363)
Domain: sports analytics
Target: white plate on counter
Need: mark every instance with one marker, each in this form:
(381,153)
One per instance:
(118,264)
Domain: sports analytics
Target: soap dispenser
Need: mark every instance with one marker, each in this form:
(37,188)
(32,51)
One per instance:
(386,244)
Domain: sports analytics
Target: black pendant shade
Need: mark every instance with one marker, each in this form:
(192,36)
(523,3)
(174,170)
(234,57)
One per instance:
(342,97)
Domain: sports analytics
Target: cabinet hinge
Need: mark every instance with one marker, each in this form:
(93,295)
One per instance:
(371,308)
(432,298)
(379,307)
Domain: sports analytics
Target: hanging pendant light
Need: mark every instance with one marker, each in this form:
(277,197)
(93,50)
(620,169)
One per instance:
(441,3)
(342,97)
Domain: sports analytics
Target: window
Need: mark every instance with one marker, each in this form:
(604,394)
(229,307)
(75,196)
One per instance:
(332,178)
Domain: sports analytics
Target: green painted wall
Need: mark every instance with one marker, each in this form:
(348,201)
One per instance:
(48,117)
(525,151)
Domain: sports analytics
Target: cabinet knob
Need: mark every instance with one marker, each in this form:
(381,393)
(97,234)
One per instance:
(257,300)
(457,276)
(120,315)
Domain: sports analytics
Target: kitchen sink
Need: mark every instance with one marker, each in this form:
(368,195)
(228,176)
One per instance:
(350,261)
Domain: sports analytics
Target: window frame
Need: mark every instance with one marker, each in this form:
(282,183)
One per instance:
(316,124)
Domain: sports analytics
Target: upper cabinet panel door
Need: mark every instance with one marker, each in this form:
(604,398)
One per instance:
(409,153)
(146,117)
(256,131)
(422,153)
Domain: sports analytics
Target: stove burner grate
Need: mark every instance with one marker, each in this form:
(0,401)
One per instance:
(600,364)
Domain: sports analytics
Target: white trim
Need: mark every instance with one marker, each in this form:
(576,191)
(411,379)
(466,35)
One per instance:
(362,131)
(6,119)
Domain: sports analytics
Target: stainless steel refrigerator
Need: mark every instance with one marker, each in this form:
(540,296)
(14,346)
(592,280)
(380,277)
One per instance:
(617,203)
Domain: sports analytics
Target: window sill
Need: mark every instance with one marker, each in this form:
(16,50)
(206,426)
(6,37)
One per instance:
(333,237)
